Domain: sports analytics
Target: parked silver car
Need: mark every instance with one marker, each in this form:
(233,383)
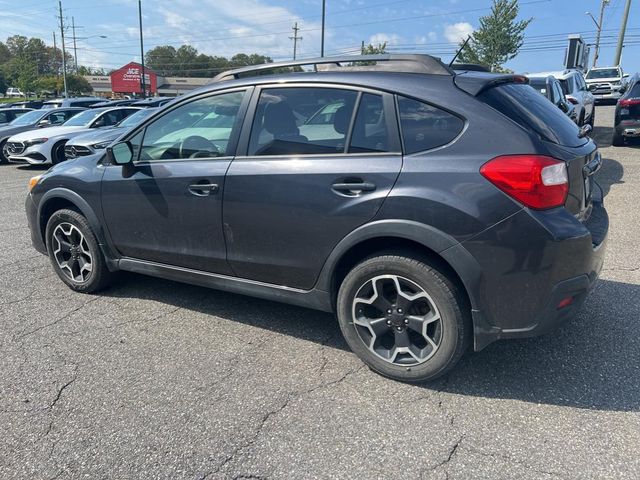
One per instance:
(575,89)
(96,141)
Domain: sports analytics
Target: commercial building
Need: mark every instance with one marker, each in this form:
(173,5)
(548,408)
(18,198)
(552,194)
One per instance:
(126,81)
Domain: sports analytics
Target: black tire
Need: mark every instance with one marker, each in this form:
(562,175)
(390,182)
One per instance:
(617,140)
(3,159)
(449,300)
(87,282)
(57,153)
(592,119)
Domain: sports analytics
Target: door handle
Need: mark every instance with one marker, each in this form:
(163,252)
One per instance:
(353,188)
(203,189)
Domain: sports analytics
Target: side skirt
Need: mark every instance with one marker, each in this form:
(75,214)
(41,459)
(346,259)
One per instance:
(315,299)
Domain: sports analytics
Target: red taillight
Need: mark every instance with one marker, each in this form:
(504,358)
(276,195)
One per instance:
(534,180)
(627,102)
(572,100)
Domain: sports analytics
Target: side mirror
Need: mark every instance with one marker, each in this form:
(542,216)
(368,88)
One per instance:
(626,75)
(564,107)
(44,123)
(120,153)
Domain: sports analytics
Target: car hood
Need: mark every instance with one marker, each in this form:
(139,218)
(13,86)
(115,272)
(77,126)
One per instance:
(604,80)
(47,132)
(9,130)
(99,136)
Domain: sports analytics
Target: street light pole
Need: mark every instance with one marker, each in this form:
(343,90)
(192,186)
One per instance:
(142,80)
(324,11)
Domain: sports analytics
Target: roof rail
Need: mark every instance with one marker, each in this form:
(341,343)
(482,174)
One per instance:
(406,63)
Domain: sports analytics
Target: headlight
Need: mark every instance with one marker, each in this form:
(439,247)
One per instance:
(33,181)
(35,141)
(100,146)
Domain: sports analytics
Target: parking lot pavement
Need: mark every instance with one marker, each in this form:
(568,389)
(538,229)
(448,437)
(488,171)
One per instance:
(154,379)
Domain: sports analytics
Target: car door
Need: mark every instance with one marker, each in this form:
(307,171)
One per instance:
(316,163)
(166,206)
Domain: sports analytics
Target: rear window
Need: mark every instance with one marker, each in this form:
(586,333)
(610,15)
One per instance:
(603,73)
(425,127)
(530,110)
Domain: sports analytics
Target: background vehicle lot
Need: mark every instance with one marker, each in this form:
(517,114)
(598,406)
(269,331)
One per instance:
(154,379)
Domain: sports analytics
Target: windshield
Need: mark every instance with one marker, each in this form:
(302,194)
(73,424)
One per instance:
(82,119)
(135,118)
(28,118)
(603,73)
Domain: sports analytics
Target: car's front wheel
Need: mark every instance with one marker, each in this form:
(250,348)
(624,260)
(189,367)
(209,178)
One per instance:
(3,156)
(617,140)
(74,252)
(404,318)
(57,153)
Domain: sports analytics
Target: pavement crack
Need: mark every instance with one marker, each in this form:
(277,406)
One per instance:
(57,320)
(60,391)
(444,463)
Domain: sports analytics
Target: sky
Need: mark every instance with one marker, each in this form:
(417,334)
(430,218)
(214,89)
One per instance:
(226,27)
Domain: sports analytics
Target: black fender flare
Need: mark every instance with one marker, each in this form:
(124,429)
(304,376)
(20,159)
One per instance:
(458,258)
(87,211)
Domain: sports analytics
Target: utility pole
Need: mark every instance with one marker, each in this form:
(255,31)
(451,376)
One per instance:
(55,54)
(324,11)
(75,52)
(143,87)
(295,39)
(603,4)
(64,60)
(623,30)
(362,48)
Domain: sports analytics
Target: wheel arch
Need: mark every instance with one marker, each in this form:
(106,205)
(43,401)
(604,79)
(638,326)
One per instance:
(62,198)
(401,235)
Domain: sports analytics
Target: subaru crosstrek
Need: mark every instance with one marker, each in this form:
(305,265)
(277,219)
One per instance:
(429,208)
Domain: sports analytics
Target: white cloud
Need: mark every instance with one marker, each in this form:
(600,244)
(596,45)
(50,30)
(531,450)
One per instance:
(390,39)
(458,32)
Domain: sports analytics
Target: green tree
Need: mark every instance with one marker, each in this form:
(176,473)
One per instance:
(498,38)
(374,49)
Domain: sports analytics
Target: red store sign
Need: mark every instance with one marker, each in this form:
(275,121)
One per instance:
(127,79)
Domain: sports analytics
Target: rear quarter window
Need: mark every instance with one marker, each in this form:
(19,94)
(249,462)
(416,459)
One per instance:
(425,127)
(533,112)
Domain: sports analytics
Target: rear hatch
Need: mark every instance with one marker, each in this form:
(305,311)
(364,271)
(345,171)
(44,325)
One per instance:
(559,136)
(629,106)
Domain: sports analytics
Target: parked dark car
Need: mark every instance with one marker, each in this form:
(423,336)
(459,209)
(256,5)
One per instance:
(8,115)
(550,87)
(152,102)
(31,121)
(31,104)
(114,103)
(84,102)
(429,209)
(627,116)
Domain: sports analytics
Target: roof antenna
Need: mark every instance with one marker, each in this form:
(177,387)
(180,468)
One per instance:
(460,50)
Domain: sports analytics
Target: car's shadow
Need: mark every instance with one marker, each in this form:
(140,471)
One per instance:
(591,362)
(604,135)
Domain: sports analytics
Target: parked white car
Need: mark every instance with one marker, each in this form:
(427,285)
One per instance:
(575,90)
(46,145)
(13,92)
(606,83)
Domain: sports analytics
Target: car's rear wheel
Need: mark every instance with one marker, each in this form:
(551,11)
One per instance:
(404,318)
(74,252)
(617,140)
(57,153)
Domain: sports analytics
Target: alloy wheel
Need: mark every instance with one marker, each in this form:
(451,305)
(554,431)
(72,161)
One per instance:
(71,252)
(397,320)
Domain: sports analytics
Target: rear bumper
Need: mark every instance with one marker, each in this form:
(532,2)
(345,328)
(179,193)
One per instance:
(535,279)
(628,128)
(613,95)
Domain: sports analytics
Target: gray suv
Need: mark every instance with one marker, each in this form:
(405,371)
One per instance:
(430,209)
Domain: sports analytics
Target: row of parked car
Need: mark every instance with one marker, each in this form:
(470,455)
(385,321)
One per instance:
(51,132)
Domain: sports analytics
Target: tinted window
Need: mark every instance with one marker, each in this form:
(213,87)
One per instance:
(526,107)
(635,90)
(58,118)
(188,132)
(425,127)
(558,93)
(369,132)
(291,121)
(5,117)
(539,84)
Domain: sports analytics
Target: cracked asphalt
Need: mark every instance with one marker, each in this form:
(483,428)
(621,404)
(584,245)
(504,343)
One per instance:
(154,379)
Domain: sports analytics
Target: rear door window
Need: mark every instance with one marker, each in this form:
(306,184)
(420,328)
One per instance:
(527,108)
(301,120)
(369,133)
(425,127)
